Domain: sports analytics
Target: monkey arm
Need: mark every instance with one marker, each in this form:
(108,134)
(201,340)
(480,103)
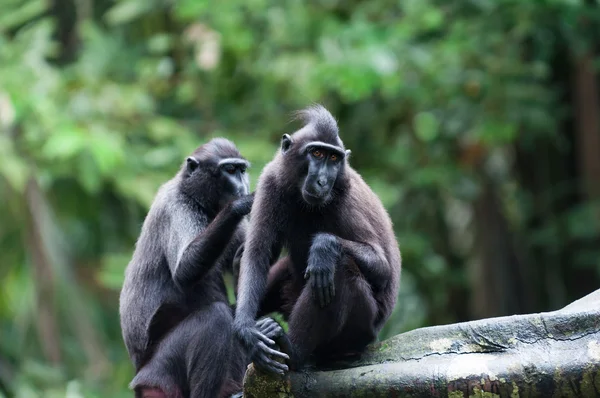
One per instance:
(202,253)
(253,278)
(260,247)
(370,259)
(326,252)
(251,290)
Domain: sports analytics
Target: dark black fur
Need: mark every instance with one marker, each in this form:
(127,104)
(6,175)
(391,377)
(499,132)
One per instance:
(175,316)
(339,282)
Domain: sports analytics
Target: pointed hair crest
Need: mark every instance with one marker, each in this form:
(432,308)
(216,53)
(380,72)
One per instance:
(321,120)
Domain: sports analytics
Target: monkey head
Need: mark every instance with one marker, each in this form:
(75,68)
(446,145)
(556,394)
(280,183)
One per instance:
(215,174)
(317,154)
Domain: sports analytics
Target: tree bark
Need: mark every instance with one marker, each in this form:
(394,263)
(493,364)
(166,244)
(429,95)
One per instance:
(552,354)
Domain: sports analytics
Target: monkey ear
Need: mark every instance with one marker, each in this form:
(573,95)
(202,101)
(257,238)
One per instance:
(348,152)
(192,164)
(286,142)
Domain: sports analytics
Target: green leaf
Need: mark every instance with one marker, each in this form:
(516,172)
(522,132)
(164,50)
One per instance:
(426,126)
(112,272)
(191,9)
(162,157)
(64,144)
(16,172)
(165,129)
(495,132)
(128,10)
(433,18)
(13,17)
(107,150)
(160,43)
(387,193)
(89,175)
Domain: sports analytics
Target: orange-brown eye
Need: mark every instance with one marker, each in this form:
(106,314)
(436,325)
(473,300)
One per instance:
(230,170)
(317,154)
(334,157)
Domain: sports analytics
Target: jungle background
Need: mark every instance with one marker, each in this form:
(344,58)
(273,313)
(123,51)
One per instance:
(475,121)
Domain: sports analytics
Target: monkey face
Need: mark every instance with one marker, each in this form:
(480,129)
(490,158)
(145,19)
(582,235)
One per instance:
(319,164)
(214,179)
(234,182)
(324,164)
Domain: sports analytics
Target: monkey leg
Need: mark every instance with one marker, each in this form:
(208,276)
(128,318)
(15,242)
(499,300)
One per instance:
(194,359)
(238,363)
(345,325)
(278,282)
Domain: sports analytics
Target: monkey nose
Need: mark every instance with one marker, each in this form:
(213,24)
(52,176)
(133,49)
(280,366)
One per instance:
(322,182)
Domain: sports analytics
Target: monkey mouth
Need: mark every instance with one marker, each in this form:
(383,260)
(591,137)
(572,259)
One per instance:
(313,199)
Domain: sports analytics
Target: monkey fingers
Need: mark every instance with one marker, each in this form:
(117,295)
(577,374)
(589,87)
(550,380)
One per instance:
(270,328)
(273,331)
(263,361)
(262,338)
(266,321)
(321,282)
(331,287)
(326,287)
(270,351)
(318,286)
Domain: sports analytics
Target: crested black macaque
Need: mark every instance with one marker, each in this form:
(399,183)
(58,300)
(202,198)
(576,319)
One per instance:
(339,281)
(175,316)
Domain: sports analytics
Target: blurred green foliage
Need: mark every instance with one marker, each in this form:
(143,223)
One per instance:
(441,102)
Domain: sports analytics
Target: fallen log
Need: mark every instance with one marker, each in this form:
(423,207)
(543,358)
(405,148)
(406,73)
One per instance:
(550,354)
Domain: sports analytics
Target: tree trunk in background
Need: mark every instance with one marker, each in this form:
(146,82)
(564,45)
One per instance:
(499,280)
(588,125)
(65,12)
(552,170)
(44,279)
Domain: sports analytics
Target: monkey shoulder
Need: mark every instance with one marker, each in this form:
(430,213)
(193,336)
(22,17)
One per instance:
(368,212)
(362,205)
(268,180)
(268,191)
(148,281)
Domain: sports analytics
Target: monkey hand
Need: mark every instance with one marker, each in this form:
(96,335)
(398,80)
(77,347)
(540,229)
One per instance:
(270,328)
(243,205)
(323,257)
(259,351)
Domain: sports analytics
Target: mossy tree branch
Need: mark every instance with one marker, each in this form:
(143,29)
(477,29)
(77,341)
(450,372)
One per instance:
(552,354)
